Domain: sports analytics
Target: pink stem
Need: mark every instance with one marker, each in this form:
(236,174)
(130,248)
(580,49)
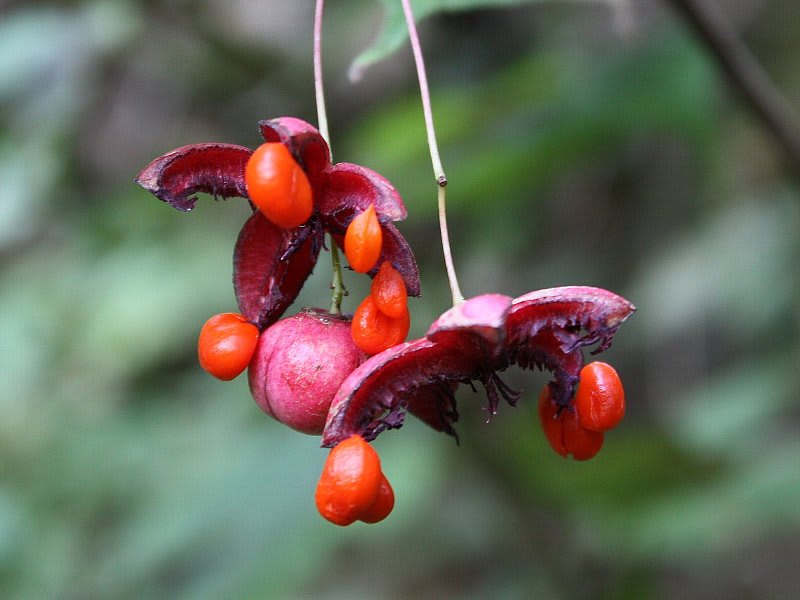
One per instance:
(438,170)
(322,116)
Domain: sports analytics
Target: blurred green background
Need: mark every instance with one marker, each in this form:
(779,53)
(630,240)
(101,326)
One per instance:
(585,144)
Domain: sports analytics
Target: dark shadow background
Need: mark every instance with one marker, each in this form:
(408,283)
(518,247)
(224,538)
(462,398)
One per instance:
(583,146)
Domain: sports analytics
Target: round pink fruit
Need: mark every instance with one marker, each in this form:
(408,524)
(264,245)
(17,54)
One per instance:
(298,366)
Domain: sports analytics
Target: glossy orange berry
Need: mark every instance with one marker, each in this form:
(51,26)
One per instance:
(564,432)
(389,291)
(226,345)
(373,332)
(350,481)
(552,423)
(600,399)
(363,240)
(278,186)
(581,443)
(383,505)
(398,330)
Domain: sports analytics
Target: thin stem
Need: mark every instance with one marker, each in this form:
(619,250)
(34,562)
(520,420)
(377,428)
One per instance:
(438,170)
(745,73)
(322,115)
(337,283)
(448,257)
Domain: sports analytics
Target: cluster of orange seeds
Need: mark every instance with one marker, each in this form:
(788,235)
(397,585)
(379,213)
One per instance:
(280,189)
(352,486)
(382,319)
(599,405)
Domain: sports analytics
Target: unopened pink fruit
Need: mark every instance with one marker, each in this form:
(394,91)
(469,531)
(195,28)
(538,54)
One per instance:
(298,366)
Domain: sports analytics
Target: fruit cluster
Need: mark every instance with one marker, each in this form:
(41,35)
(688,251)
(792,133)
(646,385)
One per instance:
(349,379)
(278,187)
(474,342)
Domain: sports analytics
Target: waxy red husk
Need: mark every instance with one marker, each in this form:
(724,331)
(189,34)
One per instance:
(271,264)
(472,342)
(216,169)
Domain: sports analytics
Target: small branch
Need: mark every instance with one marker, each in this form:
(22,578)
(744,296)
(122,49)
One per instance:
(745,73)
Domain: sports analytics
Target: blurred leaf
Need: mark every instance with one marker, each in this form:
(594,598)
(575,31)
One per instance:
(394,32)
(45,52)
(735,406)
(28,168)
(730,270)
(754,499)
(538,120)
